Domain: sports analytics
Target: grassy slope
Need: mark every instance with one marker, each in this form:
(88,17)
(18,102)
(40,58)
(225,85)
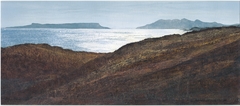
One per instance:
(195,68)
(34,68)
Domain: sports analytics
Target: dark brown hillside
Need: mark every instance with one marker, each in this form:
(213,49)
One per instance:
(30,66)
(40,60)
(194,68)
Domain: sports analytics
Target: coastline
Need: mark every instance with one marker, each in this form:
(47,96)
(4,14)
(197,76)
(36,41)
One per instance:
(197,67)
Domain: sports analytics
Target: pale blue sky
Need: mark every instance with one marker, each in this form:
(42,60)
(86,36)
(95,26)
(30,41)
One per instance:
(115,14)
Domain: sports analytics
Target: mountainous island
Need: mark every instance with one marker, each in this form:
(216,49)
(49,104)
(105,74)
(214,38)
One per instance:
(199,67)
(66,25)
(184,24)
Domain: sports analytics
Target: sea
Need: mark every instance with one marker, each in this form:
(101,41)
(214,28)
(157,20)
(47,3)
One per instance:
(90,40)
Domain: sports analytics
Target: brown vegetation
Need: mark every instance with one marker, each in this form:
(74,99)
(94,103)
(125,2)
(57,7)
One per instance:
(35,67)
(195,68)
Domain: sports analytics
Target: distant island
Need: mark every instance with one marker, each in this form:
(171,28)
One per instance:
(179,24)
(65,25)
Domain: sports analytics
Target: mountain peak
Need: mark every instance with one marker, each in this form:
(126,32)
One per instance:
(184,19)
(197,20)
(179,24)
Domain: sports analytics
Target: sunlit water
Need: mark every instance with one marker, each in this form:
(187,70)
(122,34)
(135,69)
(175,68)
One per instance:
(91,40)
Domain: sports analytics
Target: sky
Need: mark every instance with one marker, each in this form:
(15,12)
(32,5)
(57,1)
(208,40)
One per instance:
(116,14)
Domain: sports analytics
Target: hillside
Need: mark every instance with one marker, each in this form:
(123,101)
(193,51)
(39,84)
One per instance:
(184,24)
(34,68)
(66,25)
(200,67)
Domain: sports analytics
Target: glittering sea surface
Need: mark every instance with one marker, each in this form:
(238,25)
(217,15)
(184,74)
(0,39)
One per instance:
(91,40)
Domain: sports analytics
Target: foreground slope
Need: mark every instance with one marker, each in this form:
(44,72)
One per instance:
(195,68)
(31,69)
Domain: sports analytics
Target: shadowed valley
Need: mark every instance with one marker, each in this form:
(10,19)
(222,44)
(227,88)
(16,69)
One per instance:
(199,67)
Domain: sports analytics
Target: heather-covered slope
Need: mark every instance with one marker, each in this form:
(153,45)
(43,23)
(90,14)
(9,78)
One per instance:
(194,68)
(32,69)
